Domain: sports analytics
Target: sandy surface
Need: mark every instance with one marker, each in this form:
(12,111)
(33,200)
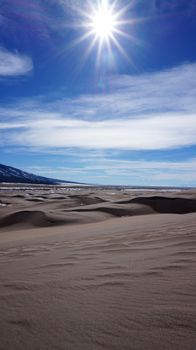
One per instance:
(96,269)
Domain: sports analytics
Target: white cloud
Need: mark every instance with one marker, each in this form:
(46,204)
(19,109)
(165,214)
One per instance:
(150,133)
(14,64)
(127,165)
(154,111)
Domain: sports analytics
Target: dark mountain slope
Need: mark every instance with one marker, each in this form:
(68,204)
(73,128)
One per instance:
(9,174)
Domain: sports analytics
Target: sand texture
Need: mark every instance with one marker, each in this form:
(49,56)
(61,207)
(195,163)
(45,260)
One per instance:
(96,269)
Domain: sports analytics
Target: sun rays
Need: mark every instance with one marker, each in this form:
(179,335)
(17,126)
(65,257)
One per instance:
(105,24)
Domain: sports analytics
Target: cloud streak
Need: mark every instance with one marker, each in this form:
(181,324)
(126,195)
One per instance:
(134,172)
(14,64)
(160,132)
(155,111)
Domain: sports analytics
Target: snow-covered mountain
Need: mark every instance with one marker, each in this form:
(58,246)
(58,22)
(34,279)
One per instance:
(9,174)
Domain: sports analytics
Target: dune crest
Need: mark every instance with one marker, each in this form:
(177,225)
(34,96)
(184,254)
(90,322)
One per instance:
(45,208)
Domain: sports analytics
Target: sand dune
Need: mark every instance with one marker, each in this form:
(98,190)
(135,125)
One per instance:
(166,204)
(86,200)
(112,274)
(43,210)
(117,210)
(30,218)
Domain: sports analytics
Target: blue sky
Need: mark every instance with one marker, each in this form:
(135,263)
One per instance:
(127,117)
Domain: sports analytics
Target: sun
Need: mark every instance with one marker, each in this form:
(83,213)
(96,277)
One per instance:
(103,22)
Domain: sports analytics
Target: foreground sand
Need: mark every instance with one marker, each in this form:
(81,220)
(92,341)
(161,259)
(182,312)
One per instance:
(96,269)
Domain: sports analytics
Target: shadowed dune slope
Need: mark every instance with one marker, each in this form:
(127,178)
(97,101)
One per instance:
(31,219)
(168,205)
(117,210)
(144,206)
(87,200)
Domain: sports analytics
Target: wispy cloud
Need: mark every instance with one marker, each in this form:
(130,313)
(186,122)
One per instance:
(39,18)
(148,112)
(14,64)
(160,132)
(171,6)
(123,171)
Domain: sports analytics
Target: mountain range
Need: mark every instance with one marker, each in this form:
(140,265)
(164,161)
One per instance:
(9,174)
